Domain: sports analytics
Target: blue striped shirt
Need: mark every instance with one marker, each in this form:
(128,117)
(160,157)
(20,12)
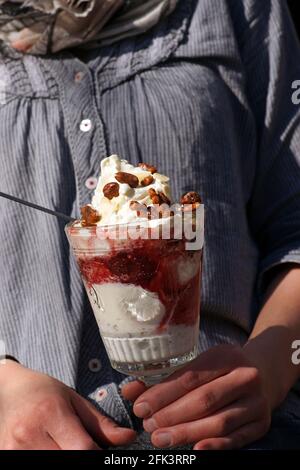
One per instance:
(206,97)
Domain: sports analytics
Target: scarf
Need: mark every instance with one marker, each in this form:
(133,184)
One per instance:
(41,27)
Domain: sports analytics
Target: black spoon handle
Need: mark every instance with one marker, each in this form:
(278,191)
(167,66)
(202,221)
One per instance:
(65,217)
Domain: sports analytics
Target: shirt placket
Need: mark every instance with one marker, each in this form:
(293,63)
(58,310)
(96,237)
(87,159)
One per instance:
(83,124)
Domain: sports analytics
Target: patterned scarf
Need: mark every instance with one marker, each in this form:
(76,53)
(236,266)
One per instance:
(47,26)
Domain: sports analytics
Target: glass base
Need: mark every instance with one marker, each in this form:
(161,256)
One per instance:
(152,373)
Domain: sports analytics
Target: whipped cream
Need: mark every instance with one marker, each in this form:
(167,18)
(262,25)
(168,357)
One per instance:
(117,210)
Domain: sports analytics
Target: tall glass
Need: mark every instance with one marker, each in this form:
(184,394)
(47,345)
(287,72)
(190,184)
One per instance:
(144,288)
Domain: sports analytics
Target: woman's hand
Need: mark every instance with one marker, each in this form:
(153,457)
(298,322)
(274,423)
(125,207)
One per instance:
(38,412)
(218,401)
(224,399)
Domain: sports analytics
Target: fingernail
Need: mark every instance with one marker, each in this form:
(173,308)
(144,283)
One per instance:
(150,425)
(142,410)
(203,447)
(163,439)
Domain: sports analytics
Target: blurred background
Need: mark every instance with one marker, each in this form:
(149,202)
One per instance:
(296,16)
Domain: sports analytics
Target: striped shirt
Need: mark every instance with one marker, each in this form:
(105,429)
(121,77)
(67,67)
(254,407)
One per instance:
(206,97)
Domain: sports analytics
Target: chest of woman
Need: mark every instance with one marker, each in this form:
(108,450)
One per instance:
(174,98)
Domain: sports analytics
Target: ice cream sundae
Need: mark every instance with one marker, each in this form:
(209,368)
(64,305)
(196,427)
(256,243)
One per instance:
(144,290)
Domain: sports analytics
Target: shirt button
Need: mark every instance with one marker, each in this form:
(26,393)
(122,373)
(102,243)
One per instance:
(101,394)
(95,365)
(91,183)
(86,125)
(79,76)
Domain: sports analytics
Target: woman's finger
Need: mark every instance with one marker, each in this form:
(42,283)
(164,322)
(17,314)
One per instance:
(236,440)
(132,390)
(64,426)
(100,427)
(207,367)
(221,424)
(71,435)
(203,401)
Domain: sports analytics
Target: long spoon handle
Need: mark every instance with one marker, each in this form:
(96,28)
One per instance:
(36,206)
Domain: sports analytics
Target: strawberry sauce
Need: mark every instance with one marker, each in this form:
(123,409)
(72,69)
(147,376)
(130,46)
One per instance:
(155,265)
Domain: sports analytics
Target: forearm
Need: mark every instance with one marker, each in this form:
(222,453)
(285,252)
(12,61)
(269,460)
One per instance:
(277,327)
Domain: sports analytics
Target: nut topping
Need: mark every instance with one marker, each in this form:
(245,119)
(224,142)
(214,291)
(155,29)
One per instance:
(111,190)
(190,207)
(89,216)
(190,198)
(154,196)
(127,178)
(164,199)
(147,181)
(151,212)
(140,208)
(158,198)
(152,169)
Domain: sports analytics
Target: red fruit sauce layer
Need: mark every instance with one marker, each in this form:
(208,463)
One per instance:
(151,264)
